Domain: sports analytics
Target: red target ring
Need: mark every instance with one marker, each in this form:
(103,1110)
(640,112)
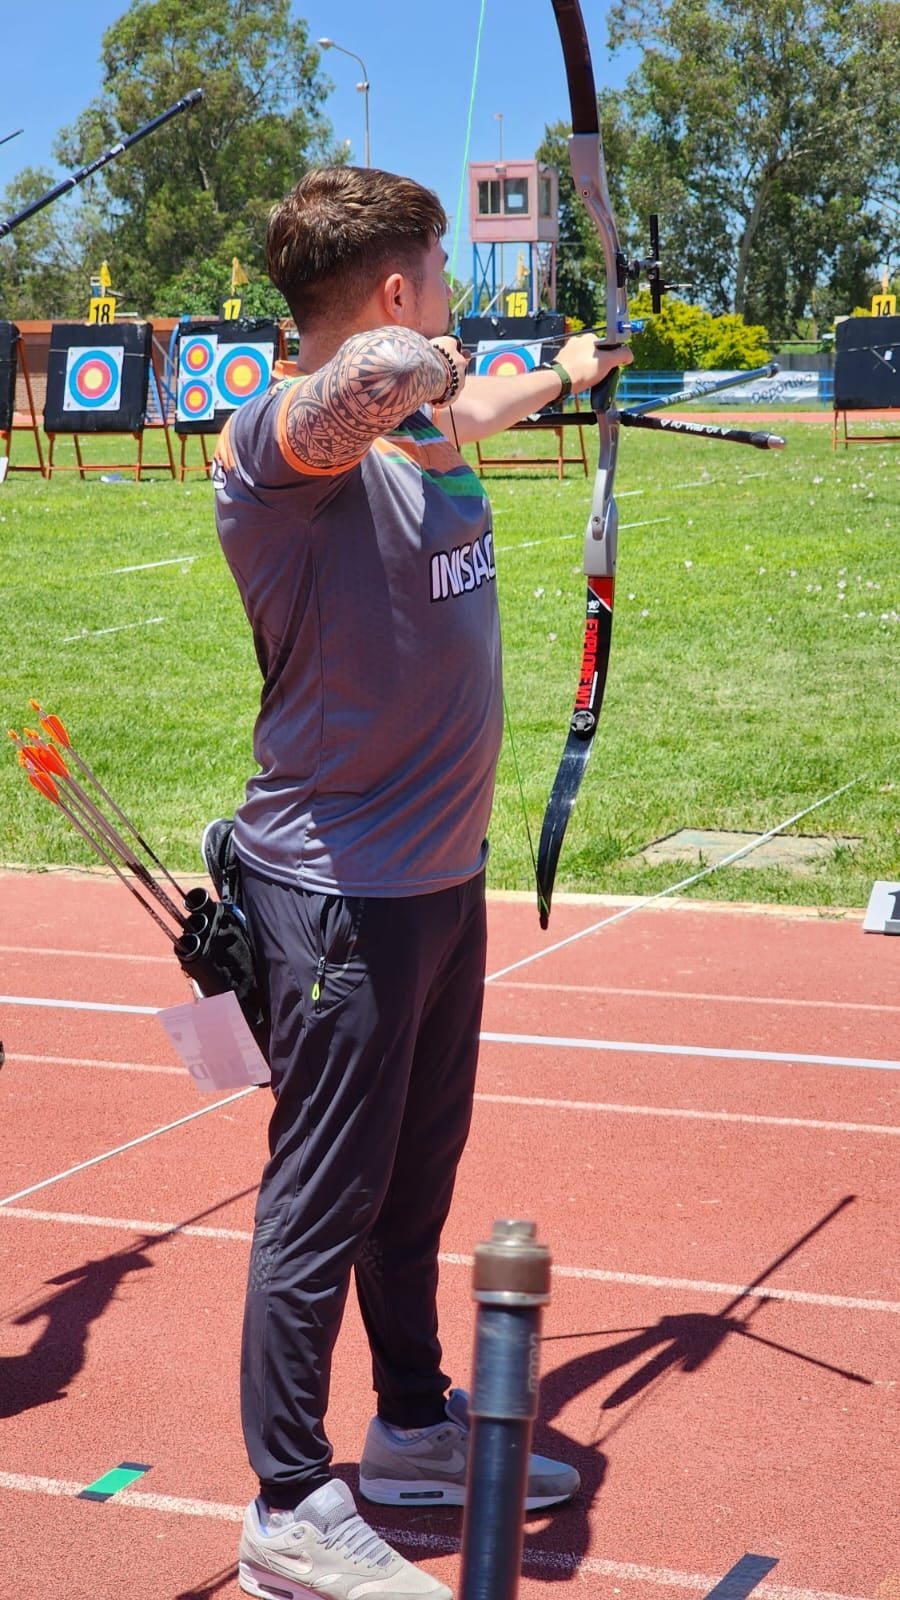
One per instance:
(508,362)
(195,399)
(197,356)
(243,372)
(94,379)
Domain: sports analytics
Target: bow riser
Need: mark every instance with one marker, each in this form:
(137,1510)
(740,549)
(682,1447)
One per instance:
(589,176)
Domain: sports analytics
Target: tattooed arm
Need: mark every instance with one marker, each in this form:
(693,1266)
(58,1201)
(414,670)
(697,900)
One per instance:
(374,381)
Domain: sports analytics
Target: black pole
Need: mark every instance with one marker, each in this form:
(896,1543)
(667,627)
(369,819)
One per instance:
(511,1283)
(101,161)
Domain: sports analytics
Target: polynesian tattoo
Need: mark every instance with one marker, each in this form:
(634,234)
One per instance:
(375,380)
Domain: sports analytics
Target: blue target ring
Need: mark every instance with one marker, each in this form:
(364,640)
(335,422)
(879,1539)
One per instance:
(94,379)
(195,399)
(244,371)
(196,356)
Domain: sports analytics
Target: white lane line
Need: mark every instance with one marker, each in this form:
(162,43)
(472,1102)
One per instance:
(548,1041)
(601,1107)
(79,1219)
(613,1108)
(693,994)
(639,1280)
(515,984)
(707,1052)
(81,955)
(435,1543)
(88,1061)
(76,1005)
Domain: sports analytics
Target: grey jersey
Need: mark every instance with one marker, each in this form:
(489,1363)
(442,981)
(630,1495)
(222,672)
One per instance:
(372,597)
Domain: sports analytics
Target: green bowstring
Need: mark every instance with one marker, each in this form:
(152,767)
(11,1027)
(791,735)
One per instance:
(465,162)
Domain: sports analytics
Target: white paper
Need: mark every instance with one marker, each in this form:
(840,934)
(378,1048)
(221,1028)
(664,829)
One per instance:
(214,1041)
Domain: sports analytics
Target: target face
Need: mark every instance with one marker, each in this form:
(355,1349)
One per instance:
(496,359)
(196,356)
(93,379)
(195,401)
(242,372)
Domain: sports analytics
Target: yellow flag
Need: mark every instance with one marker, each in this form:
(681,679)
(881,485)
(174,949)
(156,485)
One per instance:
(238,275)
(105,279)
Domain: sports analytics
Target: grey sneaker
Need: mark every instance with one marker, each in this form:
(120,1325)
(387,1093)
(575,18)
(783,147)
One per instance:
(327,1549)
(431,1468)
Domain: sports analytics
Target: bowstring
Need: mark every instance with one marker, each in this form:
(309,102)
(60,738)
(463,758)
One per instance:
(452,272)
(465,161)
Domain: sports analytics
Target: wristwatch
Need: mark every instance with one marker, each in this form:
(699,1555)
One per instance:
(562,375)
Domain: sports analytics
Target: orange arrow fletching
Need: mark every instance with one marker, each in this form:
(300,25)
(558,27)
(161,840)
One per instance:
(55,729)
(45,785)
(50,759)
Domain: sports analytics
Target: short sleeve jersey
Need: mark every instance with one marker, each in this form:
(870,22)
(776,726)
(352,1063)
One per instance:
(371,593)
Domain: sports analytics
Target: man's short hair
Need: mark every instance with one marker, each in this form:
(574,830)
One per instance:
(340,231)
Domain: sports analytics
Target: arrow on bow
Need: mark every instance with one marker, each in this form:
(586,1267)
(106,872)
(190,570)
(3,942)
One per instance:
(589,173)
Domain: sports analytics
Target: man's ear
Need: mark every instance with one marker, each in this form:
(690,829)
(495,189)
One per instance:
(396,296)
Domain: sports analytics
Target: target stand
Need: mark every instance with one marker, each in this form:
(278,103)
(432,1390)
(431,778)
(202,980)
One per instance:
(507,357)
(219,367)
(99,380)
(16,418)
(866,374)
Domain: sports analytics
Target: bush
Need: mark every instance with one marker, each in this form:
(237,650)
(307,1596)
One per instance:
(683,337)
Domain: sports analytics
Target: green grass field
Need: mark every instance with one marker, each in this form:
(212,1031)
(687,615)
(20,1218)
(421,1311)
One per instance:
(754,668)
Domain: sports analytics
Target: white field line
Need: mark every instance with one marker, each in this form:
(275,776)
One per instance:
(639,1280)
(121,627)
(561,538)
(433,1543)
(170,561)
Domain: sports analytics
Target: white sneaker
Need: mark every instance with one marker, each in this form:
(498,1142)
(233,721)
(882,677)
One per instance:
(327,1549)
(430,1469)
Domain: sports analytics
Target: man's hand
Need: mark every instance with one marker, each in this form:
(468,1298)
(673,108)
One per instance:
(452,348)
(588,362)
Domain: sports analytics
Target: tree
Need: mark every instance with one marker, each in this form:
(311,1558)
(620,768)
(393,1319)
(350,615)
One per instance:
(763,132)
(200,188)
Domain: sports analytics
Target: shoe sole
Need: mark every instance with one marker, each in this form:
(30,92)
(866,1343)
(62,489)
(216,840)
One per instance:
(272,1585)
(386,1492)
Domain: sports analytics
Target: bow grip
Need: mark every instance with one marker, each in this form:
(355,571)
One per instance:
(603,394)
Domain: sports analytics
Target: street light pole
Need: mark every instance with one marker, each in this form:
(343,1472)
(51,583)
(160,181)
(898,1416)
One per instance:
(329,44)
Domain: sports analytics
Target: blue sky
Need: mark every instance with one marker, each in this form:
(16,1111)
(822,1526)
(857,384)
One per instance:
(419,65)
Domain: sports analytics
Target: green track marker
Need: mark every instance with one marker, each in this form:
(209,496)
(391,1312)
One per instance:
(117,1478)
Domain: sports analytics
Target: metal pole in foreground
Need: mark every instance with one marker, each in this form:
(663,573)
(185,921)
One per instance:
(511,1282)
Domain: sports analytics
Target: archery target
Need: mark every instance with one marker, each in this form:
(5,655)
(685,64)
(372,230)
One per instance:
(498,359)
(195,401)
(197,355)
(93,379)
(194,396)
(9,339)
(242,371)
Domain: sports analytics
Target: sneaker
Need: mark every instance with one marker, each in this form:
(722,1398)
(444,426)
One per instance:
(430,1468)
(326,1549)
(217,850)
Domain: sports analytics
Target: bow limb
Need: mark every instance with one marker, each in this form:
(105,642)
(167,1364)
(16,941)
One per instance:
(589,174)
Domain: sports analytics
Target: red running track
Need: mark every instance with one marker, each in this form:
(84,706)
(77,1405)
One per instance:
(642,1097)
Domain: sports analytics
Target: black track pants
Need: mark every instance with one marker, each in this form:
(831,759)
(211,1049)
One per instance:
(375,1012)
